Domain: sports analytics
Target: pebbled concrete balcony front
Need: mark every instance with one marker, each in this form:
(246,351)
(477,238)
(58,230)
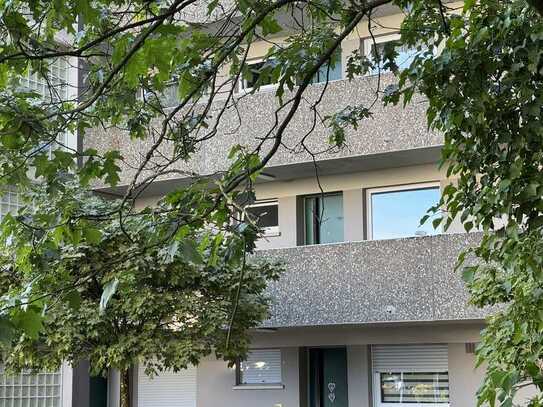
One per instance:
(398,134)
(399,280)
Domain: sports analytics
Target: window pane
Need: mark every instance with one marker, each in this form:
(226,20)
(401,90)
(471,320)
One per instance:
(324,219)
(262,366)
(52,86)
(332,71)
(167,97)
(310,218)
(397,214)
(9,202)
(255,69)
(264,215)
(331,227)
(404,57)
(415,387)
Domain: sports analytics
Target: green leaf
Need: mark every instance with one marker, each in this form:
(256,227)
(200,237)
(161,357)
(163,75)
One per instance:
(92,235)
(6,331)
(109,290)
(190,253)
(270,26)
(468,274)
(30,322)
(468,4)
(74,299)
(170,251)
(424,219)
(531,189)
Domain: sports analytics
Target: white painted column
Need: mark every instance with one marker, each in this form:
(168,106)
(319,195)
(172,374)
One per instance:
(357,376)
(353,215)
(66,384)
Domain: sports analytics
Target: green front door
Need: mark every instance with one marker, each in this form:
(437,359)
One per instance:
(98,392)
(328,377)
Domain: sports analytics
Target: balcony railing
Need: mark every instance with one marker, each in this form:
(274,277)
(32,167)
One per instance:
(398,280)
(390,129)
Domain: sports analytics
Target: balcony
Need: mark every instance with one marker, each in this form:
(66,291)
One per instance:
(364,282)
(392,137)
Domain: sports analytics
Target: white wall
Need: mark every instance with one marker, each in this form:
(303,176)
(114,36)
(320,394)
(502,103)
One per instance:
(353,202)
(216,381)
(216,385)
(67,380)
(464,379)
(351,184)
(358,365)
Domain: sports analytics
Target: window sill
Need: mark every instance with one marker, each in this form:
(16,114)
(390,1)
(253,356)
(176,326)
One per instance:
(259,387)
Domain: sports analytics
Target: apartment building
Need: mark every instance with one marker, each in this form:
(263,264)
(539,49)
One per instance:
(369,311)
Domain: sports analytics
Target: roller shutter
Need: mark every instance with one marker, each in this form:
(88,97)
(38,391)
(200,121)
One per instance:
(263,366)
(421,358)
(168,389)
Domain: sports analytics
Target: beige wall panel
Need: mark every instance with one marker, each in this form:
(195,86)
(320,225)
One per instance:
(358,376)
(216,382)
(464,379)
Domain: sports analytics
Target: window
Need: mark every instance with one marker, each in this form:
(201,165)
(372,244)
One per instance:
(9,202)
(374,50)
(263,366)
(266,216)
(410,375)
(323,218)
(53,88)
(30,390)
(167,98)
(331,70)
(396,212)
(424,388)
(168,388)
(256,68)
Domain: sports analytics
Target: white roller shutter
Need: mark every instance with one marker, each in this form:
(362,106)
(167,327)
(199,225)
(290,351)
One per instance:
(167,389)
(410,358)
(263,366)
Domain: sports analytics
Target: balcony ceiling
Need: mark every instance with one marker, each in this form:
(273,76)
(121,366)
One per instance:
(334,166)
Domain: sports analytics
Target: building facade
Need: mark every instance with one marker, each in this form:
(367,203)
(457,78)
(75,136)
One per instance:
(369,311)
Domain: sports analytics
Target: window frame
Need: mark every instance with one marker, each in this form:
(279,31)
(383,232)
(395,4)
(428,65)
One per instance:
(394,188)
(367,44)
(269,231)
(380,39)
(304,224)
(242,82)
(377,391)
(239,385)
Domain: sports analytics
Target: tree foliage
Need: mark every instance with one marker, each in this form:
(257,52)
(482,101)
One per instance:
(173,282)
(156,289)
(485,93)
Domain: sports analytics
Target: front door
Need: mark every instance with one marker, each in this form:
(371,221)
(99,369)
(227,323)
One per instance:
(328,377)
